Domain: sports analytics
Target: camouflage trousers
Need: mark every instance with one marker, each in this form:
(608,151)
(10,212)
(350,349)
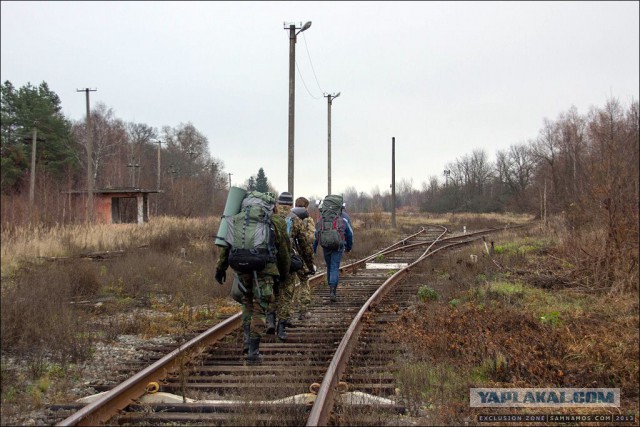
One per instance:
(257,302)
(302,294)
(284,296)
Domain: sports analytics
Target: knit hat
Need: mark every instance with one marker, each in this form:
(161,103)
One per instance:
(285,199)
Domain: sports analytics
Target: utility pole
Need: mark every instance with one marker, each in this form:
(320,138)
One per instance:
(393,182)
(292,92)
(32,183)
(159,174)
(330,99)
(89,158)
(230,180)
(133,165)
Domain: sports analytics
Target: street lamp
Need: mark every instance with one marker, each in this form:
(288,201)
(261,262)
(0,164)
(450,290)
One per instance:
(330,99)
(292,90)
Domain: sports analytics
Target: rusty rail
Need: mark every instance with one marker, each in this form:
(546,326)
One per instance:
(323,405)
(102,409)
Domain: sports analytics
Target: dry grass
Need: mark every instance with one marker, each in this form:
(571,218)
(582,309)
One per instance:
(38,311)
(582,335)
(20,244)
(524,324)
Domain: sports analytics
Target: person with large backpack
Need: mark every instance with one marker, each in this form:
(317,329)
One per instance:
(301,256)
(335,235)
(302,293)
(258,251)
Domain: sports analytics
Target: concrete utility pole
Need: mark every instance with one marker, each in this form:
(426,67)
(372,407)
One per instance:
(292,91)
(330,99)
(89,157)
(393,182)
(230,180)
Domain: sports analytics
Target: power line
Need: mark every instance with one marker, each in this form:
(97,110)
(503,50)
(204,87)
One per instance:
(304,84)
(310,62)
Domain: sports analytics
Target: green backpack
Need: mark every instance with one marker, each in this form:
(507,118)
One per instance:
(251,235)
(330,226)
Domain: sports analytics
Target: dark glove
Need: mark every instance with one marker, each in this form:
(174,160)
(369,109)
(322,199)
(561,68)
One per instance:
(221,276)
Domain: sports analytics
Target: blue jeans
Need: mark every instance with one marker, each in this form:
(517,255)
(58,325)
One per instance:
(332,259)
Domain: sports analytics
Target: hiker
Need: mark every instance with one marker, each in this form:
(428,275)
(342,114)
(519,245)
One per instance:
(301,256)
(258,251)
(335,235)
(302,293)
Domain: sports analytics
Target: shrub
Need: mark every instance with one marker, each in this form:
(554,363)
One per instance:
(426,293)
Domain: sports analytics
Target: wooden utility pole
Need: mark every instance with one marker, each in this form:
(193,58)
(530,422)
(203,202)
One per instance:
(158,182)
(89,157)
(32,183)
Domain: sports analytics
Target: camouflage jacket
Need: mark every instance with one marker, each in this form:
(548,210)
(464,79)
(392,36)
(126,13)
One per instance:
(283,257)
(299,236)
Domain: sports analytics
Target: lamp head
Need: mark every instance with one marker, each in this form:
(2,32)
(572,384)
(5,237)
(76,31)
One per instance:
(305,26)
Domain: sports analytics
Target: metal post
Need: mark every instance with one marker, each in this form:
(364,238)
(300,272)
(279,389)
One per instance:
(393,182)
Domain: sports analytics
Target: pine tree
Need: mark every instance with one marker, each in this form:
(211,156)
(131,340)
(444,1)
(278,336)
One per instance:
(23,109)
(251,185)
(262,183)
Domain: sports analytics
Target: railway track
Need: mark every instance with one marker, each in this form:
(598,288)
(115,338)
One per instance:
(336,366)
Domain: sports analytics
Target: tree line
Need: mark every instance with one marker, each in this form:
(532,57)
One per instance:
(581,169)
(124,155)
(577,164)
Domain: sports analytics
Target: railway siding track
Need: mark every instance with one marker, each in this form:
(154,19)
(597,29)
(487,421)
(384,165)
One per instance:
(307,380)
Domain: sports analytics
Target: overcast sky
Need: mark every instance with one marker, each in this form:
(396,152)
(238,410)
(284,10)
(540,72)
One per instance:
(443,78)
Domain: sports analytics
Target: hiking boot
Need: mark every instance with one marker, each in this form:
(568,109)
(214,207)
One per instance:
(332,295)
(245,338)
(282,324)
(254,357)
(271,323)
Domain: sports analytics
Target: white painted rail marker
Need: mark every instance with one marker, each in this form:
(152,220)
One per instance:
(386,266)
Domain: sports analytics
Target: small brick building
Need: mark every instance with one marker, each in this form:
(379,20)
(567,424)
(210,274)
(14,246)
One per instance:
(110,205)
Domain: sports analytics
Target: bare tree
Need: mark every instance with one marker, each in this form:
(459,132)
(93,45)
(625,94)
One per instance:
(109,134)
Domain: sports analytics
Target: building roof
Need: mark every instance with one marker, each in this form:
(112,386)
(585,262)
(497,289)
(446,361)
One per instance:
(121,190)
